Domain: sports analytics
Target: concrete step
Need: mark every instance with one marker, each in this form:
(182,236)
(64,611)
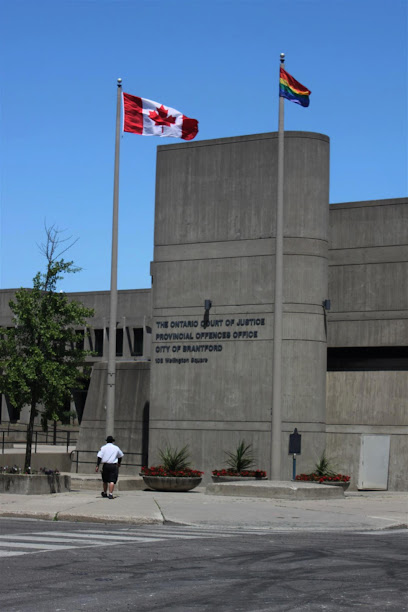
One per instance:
(264,489)
(93,482)
(275,489)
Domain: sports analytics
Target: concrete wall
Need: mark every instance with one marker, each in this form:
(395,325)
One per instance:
(368,271)
(35,484)
(372,403)
(214,239)
(131,414)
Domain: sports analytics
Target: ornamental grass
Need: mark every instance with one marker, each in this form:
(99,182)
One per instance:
(175,463)
(323,472)
(239,463)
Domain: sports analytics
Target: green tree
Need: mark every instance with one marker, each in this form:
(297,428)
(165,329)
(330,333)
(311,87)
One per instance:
(41,357)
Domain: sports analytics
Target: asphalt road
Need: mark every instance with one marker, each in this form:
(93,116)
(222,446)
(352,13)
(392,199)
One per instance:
(59,566)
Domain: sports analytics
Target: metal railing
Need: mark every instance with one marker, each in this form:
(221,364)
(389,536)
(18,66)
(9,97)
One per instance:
(75,454)
(62,438)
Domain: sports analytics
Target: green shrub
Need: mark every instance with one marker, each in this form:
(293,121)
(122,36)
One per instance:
(173,459)
(242,458)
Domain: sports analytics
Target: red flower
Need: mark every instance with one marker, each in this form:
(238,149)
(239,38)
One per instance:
(317,478)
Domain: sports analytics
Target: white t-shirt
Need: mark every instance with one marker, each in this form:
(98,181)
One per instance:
(110,453)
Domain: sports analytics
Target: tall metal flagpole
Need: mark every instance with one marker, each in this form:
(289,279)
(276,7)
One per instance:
(276,421)
(111,377)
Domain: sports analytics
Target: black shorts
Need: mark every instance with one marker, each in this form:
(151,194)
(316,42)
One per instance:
(110,472)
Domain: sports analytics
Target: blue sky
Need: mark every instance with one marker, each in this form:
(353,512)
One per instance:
(214,60)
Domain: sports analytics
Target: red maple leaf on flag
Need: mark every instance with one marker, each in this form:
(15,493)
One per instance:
(160,116)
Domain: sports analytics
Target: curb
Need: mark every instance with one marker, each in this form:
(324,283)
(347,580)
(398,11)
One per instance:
(123,520)
(141,521)
(81,518)
(41,516)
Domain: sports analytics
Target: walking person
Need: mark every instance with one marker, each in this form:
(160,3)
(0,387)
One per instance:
(111,456)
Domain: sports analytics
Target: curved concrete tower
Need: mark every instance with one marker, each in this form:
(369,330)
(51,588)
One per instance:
(213,288)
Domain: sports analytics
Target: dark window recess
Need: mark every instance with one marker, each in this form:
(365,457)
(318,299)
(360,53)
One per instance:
(66,412)
(137,342)
(80,344)
(14,413)
(79,397)
(360,358)
(119,342)
(98,342)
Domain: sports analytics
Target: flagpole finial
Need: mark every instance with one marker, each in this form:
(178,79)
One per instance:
(282,57)
(119,82)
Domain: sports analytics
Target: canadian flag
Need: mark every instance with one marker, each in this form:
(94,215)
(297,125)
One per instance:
(148,118)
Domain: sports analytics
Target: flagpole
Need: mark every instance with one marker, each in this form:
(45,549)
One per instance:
(111,375)
(276,420)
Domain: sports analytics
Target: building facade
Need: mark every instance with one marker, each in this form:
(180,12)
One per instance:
(195,351)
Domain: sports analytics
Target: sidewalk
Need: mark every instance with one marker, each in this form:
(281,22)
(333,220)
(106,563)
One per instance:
(354,511)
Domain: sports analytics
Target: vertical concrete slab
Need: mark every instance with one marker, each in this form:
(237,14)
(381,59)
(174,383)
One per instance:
(211,379)
(131,414)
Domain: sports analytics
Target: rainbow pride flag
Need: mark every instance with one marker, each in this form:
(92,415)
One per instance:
(291,89)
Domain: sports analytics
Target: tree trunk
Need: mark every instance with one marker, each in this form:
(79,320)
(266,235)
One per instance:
(30,429)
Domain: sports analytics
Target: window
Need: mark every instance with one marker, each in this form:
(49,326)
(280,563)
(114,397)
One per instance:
(98,342)
(119,342)
(137,342)
(367,358)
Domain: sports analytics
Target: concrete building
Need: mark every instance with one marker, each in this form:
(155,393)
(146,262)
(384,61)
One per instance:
(367,380)
(204,375)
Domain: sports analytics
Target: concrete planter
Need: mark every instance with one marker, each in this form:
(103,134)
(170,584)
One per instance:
(172,483)
(34,484)
(343,485)
(235,478)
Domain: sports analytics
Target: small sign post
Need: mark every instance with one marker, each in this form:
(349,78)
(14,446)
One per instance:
(295,442)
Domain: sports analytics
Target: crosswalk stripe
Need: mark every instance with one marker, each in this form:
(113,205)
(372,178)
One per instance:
(45,541)
(165,531)
(36,546)
(197,529)
(148,528)
(157,533)
(102,537)
(47,538)
(106,536)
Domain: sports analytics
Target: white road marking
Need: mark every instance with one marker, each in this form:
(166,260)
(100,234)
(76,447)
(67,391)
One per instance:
(36,546)
(46,541)
(103,539)
(48,538)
